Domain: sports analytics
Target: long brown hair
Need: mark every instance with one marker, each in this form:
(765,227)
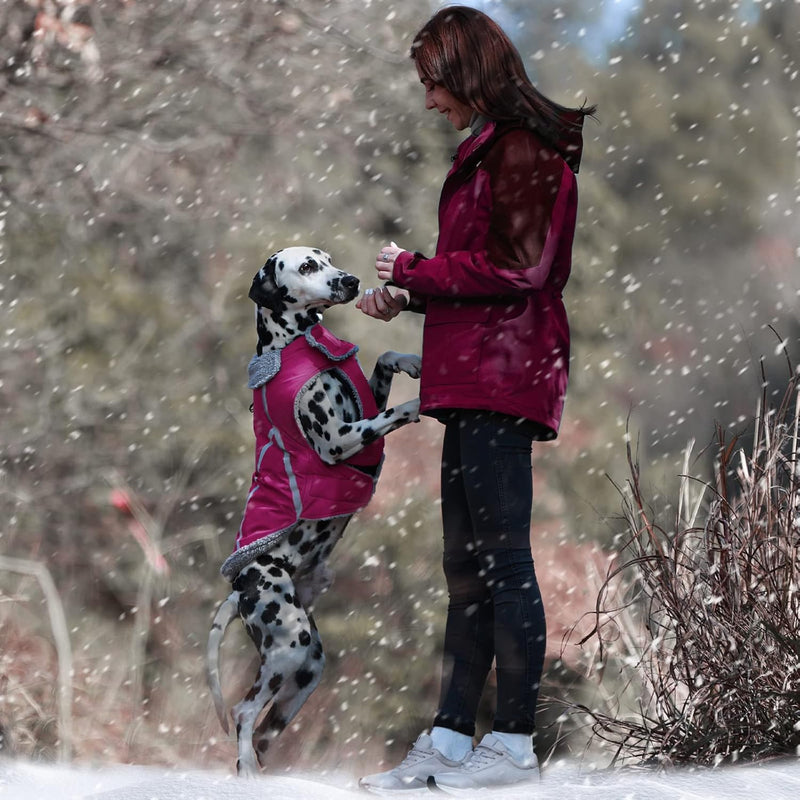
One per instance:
(469,54)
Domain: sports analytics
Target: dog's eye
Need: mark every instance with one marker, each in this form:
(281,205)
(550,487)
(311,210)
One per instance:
(307,267)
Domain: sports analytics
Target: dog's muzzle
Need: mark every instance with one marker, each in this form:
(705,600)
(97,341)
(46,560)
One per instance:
(347,286)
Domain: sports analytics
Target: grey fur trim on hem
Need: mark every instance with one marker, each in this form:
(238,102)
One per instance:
(237,561)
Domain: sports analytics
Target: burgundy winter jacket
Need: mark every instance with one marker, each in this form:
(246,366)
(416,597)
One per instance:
(496,335)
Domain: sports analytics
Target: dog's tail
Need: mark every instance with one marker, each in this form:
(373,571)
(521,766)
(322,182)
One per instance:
(226,613)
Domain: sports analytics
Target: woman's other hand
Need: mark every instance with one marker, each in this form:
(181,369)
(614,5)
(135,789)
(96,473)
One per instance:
(384,263)
(381,303)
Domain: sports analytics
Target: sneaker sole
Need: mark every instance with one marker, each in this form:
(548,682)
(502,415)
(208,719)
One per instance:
(484,790)
(411,791)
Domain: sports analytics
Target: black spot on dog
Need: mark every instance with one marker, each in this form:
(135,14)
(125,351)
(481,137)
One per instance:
(305,548)
(264,291)
(295,536)
(368,436)
(305,638)
(316,409)
(270,613)
(247,586)
(303,677)
(275,682)
(246,579)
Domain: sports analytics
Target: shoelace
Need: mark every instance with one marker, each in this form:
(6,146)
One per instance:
(414,755)
(481,756)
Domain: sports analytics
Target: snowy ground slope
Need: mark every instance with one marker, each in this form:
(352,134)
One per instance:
(24,781)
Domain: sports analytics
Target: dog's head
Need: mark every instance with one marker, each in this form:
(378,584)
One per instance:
(292,290)
(300,278)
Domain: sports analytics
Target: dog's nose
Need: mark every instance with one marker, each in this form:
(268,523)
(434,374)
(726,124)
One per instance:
(350,282)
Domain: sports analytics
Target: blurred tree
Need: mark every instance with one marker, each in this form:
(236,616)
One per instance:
(152,155)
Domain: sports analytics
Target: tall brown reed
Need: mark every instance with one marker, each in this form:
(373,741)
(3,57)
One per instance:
(716,604)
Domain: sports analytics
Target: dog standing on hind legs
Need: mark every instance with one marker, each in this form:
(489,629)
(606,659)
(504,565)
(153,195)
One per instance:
(318,425)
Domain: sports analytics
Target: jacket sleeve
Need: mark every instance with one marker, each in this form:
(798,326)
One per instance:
(533,196)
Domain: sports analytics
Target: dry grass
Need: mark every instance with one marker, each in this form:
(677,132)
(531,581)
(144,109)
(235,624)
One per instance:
(708,609)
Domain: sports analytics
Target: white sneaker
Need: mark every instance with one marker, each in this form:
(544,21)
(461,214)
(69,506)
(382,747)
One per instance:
(490,764)
(422,761)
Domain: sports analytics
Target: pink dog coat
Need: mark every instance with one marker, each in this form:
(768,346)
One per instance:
(291,482)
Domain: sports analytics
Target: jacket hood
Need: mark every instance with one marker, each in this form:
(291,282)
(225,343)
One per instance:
(569,144)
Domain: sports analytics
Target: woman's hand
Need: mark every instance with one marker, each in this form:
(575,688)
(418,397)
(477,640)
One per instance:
(381,303)
(384,263)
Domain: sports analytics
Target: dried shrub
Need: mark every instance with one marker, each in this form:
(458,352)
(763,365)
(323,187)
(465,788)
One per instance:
(28,701)
(709,610)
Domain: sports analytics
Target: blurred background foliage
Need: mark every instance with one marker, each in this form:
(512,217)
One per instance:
(153,154)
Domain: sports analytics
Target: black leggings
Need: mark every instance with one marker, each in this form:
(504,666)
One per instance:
(495,609)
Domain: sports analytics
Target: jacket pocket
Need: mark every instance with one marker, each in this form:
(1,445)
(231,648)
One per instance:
(452,343)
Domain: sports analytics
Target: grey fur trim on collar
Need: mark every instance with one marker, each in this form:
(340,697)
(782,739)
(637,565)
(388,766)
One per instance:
(265,367)
(262,368)
(312,342)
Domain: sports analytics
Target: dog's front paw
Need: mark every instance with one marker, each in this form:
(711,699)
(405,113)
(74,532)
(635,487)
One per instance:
(410,410)
(409,363)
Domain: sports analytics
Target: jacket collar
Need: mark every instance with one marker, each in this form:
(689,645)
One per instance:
(474,146)
(476,123)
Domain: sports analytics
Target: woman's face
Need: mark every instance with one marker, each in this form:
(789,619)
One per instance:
(458,114)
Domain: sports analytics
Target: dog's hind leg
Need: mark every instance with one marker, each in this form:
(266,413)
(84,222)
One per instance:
(282,632)
(292,695)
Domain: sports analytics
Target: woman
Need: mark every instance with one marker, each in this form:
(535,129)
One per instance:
(495,358)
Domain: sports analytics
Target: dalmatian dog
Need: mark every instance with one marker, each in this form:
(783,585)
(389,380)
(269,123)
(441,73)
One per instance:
(319,428)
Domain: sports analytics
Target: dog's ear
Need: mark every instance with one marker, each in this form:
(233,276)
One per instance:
(265,290)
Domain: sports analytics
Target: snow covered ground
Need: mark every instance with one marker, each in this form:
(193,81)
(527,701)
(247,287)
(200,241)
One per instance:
(26,781)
